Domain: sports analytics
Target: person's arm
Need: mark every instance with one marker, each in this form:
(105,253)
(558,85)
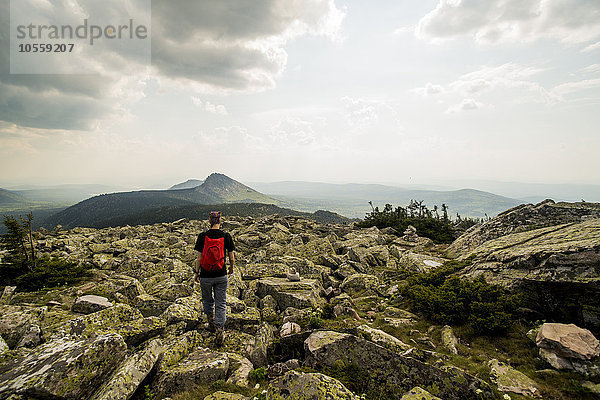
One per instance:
(197,267)
(231,262)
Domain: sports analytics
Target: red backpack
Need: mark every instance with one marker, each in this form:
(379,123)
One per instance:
(213,254)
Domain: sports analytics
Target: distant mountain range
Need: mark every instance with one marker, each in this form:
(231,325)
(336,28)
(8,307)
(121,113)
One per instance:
(352,199)
(149,206)
(106,209)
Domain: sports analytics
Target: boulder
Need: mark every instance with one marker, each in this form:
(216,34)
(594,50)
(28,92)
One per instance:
(239,368)
(392,372)
(263,339)
(509,379)
(568,340)
(7,294)
(16,322)
(308,386)
(3,346)
(305,293)
(177,348)
(90,303)
(221,395)
(122,319)
(360,285)
(129,375)
(150,306)
(65,368)
(383,339)
(289,328)
(247,319)
(258,271)
(449,340)
(418,393)
(201,366)
(32,337)
(556,269)
(522,218)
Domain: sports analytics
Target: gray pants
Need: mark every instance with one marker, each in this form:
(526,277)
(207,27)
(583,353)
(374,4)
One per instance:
(214,303)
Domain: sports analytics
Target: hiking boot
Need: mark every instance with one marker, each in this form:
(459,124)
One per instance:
(220,336)
(211,322)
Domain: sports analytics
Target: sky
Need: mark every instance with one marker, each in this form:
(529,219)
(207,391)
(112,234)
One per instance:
(336,91)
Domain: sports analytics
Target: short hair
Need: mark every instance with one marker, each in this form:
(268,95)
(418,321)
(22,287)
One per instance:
(214,218)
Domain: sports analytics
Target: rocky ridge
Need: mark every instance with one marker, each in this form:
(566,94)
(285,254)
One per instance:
(138,321)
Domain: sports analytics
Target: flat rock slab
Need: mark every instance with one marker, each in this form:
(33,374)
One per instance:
(394,373)
(202,366)
(418,393)
(302,294)
(568,340)
(509,379)
(220,395)
(312,386)
(128,376)
(90,303)
(64,368)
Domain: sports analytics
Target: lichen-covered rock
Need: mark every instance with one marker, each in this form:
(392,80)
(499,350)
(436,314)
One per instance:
(122,319)
(3,346)
(509,379)
(394,373)
(221,395)
(127,377)
(384,339)
(263,339)
(449,340)
(360,285)
(263,270)
(7,294)
(16,321)
(202,366)
(419,262)
(64,368)
(177,348)
(150,306)
(568,340)
(236,305)
(246,319)
(239,368)
(90,303)
(32,337)
(302,294)
(523,218)
(289,328)
(555,268)
(308,386)
(418,393)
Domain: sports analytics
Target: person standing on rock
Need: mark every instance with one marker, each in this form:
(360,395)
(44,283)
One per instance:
(211,274)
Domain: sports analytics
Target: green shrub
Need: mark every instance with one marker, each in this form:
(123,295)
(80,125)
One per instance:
(49,273)
(446,299)
(258,374)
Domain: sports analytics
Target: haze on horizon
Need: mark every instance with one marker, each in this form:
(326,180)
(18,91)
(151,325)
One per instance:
(334,91)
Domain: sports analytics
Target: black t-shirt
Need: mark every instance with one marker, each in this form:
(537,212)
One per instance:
(229,246)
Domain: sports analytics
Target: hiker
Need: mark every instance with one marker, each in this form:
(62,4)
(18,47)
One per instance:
(211,273)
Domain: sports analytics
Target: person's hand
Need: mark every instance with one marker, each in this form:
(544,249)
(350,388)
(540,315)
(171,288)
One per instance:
(196,278)
(230,270)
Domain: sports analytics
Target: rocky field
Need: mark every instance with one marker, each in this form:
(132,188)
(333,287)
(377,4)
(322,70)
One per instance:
(135,327)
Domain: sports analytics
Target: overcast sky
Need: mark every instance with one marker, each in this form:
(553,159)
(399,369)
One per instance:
(393,91)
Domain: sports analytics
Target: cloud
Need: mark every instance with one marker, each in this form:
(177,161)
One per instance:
(496,21)
(465,105)
(429,90)
(222,47)
(232,45)
(509,75)
(591,47)
(293,131)
(218,109)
